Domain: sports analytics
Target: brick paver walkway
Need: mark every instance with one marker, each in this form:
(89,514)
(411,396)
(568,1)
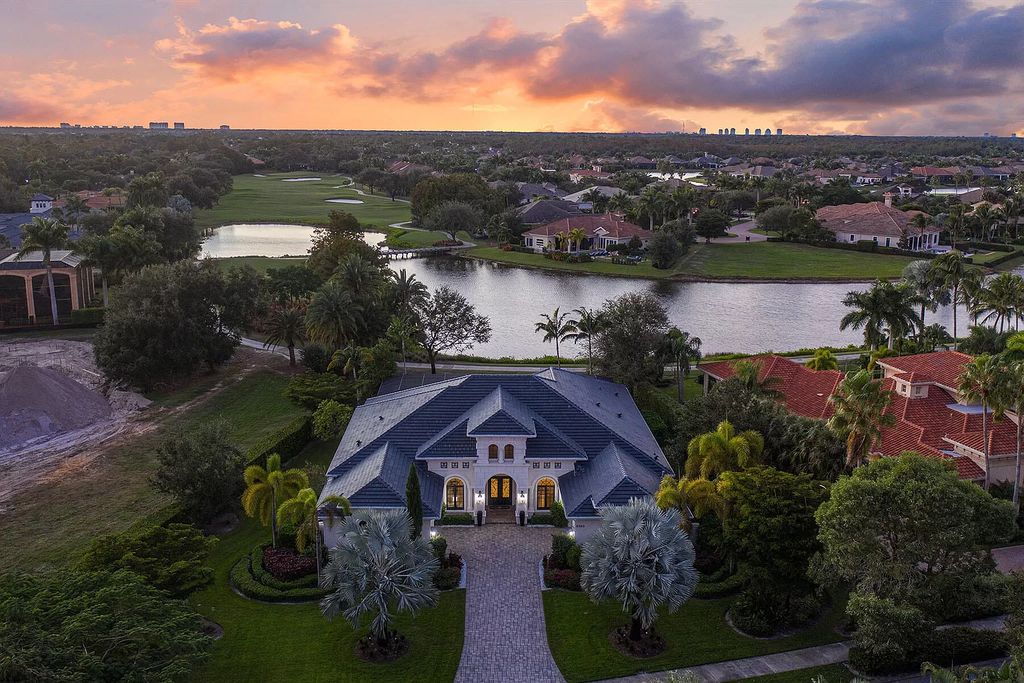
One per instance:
(505,636)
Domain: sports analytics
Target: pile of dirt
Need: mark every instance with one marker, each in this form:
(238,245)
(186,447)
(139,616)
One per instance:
(37,402)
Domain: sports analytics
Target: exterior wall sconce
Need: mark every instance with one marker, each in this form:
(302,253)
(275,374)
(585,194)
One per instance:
(522,497)
(480,498)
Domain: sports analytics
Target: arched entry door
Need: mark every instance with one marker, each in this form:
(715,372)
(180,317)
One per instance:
(499,491)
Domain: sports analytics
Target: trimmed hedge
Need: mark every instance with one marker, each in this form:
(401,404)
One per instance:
(286,442)
(458,519)
(946,647)
(709,590)
(87,316)
(250,579)
(991,246)
(866,246)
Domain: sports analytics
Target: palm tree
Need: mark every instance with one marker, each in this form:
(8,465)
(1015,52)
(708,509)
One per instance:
(332,316)
(402,330)
(406,291)
(576,236)
(722,450)
(589,325)
(884,306)
(981,382)
(302,510)
(748,373)
(378,569)
(557,327)
(1012,391)
(562,240)
(859,414)
(286,327)
(920,222)
(99,251)
(823,359)
(44,235)
(265,486)
(928,286)
(620,203)
(1002,299)
(684,350)
(693,498)
(74,208)
(640,559)
(951,269)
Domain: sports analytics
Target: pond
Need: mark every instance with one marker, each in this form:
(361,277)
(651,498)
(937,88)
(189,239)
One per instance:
(740,317)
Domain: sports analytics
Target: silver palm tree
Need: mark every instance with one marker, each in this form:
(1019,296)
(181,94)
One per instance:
(641,559)
(377,570)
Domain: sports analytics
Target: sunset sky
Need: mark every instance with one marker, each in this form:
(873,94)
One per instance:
(857,66)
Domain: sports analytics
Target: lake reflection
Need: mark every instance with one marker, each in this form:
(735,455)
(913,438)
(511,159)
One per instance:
(745,318)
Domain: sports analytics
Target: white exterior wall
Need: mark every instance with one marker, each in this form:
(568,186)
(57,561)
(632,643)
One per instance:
(929,241)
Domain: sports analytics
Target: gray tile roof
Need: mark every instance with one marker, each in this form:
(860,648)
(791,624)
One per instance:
(561,414)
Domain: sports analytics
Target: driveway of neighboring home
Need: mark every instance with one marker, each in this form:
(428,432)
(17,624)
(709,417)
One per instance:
(1009,559)
(505,635)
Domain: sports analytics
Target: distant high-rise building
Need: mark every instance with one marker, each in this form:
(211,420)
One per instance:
(732,131)
(757,131)
(1013,135)
(158,125)
(178,125)
(225,126)
(719,131)
(767,131)
(778,131)
(64,124)
(703,131)
(746,131)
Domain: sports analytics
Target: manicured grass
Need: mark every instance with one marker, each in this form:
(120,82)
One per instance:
(831,673)
(697,634)
(784,261)
(271,200)
(643,269)
(260,264)
(264,642)
(53,522)
(754,260)
(401,238)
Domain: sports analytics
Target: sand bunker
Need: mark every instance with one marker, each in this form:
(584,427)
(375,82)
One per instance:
(298,180)
(37,403)
(344,201)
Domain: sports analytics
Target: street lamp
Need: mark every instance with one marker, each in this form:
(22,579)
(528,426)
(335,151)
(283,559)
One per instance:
(319,530)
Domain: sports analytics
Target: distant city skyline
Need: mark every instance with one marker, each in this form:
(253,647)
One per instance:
(806,66)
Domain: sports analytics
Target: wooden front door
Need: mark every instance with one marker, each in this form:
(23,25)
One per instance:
(499,492)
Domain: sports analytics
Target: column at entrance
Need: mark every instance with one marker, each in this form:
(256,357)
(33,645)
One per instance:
(29,298)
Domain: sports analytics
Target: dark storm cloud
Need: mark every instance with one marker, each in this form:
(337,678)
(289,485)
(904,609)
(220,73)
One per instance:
(18,109)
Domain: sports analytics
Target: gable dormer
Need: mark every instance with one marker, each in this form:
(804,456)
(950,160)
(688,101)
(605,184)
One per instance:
(912,384)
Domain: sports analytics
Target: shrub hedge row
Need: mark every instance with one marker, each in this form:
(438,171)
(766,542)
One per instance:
(458,519)
(946,647)
(286,442)
(87,316)
(863,246)
(991,246)
(708,590)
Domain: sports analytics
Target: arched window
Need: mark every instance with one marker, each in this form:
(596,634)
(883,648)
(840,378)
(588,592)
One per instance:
(510,451)
(545,493)
(492,452)
(455,495)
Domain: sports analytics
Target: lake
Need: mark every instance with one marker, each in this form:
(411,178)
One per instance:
(740,317)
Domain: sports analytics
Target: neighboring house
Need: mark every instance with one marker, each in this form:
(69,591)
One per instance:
(601,230)
(407,168)
(641,162)
(748,171)
(528,192)
(97,201)
(863,178)
(931,417)
(40,206)
(580,200)
(580,175)
(24,294)
(942,174)
(542,211)
(499,446)
(877,222)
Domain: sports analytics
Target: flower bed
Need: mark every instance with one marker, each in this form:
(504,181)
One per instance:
(251,579)
(284,564)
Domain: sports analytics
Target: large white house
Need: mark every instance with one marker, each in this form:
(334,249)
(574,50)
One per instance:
(600,232)
(499,447)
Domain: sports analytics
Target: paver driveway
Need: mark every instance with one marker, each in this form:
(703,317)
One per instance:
(505,635)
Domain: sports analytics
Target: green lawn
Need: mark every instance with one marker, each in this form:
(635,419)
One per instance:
(753,260)
(696,634)
(51,523)
(260,263)
(271,200)
(831,673)
(401,238)
(264,642)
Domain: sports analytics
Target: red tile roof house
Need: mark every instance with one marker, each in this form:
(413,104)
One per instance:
(601,231)
(930,417)
(877,222)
